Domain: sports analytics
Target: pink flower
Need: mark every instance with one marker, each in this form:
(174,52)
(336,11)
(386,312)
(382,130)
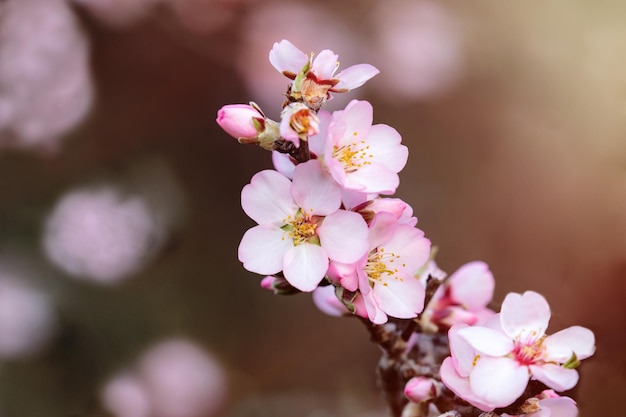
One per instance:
(246,123)
(314,79)
(298,122)
(465,296)
(385,276)
(360,156)
(300,226)
(327,302)
(496,361)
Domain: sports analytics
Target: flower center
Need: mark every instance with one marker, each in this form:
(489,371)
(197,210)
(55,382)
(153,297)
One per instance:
(381,264)
(304,122)
(301,229)
(353,156)
(529,351)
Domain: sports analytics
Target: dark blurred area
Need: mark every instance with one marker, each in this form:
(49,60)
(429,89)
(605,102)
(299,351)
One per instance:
(120,290)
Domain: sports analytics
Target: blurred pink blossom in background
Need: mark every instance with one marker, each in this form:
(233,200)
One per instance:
(418,49)
(45,81)
(174,378)
(26,318)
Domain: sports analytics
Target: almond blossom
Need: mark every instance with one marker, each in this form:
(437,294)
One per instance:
(360,156)
(314,78)
(298,122)
(385,276)
(491,365)
(248,124)
(300,226)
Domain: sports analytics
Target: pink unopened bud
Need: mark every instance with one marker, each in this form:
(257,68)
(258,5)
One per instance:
(241,120)
(420,389)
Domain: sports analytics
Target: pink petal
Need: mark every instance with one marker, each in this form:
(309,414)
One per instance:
(555,376)
(326,300)
(374,312)
(559,407)
(353,124)
(314,190)
(343,274)
(304,266)
(410,244)
(487,341)
(267,199)
(262,249)
(382,228)
(325,64)
(372,179)
(317,142)
(561,345)
(460,386)
(472,285)
(400,299)
(285,57)
(498,381)
(384,145)
(525,315)
(283,164)
(287,133)
(354,76)
(343,235)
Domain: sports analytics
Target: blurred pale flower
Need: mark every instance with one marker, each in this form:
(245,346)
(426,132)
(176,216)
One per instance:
(417,48)
(45,83)
(174,378)
(26,318)
(101,234)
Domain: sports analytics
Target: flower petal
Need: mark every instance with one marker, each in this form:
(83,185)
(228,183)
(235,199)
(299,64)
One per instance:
(325,64)
(401,299)
(343,235)
(498,381)
(371,179)
(462,352)
(524,315)
(460,386)
(352,124)
(472,285)
(554,376)
(575,339)
(354,76)
(384,144)
(286,58)
(487,341)
(559,407)
(314,190)
(262,250)
(267,199)
(305,265)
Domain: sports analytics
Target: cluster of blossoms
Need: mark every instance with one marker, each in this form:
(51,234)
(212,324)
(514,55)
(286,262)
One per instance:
(326,225)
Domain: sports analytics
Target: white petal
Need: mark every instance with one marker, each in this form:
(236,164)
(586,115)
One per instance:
(262,250)
(524,315)
(314,190)
(284,56)
(498,381)
(555,376)
(304,266)
(283,164)
(461,351)
(343,235)
(410,244)
(460,386)
(400,299)
(355,76)
(561,345)
(487,341)
(267,199)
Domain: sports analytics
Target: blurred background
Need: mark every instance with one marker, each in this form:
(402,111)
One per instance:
(120,290)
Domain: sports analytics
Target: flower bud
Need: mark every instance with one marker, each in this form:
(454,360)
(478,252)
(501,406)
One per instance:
(420,389)
(248,124)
